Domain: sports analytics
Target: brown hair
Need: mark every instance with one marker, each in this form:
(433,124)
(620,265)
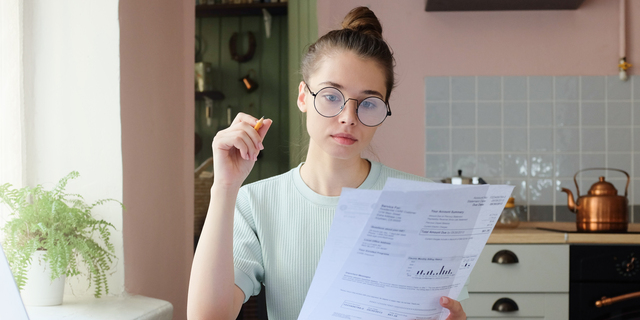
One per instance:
(361,34)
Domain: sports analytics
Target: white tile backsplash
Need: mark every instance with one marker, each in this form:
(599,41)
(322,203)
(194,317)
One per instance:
(515,88)
(541,139)
(620,161)
(540,88)
(438,166)
(438,114)
(515,114)
(515,139)
(593,88)
(463,88)
(567,113)
(489,114)
(593,139)
(489,88)
(438,139)
(567,139)
(618,90)
(437,88)
(516,165)
(489,139)
(463,140)
(619,113)
(541,114)
(566,164)
(467,162)
(541,166)
(534,132)
(619,139)
(593,113)
(463,114)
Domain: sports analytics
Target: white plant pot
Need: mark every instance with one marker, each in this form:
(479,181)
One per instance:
(39,289)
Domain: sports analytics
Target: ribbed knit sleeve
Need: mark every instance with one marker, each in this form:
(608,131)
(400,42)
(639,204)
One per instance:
(247,252)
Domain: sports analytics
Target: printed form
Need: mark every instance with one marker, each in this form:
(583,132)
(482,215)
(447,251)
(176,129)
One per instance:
(392,254)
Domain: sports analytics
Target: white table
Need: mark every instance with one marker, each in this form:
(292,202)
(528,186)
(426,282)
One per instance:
(105,308)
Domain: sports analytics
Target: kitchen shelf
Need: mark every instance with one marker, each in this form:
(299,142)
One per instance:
(500,5)
(245,9)
(214,95)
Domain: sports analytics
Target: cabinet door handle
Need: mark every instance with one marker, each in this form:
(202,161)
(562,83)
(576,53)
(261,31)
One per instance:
(505,305)
(504,257)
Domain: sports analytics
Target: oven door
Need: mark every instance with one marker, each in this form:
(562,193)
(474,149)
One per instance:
(583,297)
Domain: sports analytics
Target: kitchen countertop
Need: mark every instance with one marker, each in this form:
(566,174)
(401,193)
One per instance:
(528,232)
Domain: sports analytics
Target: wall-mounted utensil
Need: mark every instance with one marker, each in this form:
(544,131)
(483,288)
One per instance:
(249,84)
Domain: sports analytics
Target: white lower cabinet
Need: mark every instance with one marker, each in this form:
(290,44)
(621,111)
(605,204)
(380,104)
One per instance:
(529,281)
(530,306)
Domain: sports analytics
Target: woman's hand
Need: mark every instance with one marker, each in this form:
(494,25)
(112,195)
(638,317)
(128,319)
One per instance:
(455,309)
(236,149)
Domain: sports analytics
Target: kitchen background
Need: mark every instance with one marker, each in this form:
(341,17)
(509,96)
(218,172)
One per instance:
(150,102)
(526,98)
(535,133)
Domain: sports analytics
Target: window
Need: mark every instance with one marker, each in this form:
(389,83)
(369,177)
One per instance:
(12,142)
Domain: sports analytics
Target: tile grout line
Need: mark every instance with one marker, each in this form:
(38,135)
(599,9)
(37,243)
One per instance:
(450,126)
(633,183)
(477,173)
(606,123)
(528,161)
(502,157)
(555,164)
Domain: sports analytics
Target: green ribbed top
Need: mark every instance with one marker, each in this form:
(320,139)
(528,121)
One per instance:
(280,227)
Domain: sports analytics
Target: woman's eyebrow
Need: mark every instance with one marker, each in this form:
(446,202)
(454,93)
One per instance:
(337,85)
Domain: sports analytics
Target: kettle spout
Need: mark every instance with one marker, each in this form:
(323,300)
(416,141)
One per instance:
(570,203)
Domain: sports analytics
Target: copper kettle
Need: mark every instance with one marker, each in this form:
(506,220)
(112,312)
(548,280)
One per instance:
(602,209)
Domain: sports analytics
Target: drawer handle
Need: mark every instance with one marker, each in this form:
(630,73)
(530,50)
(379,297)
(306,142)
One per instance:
(504,257)
(505,305)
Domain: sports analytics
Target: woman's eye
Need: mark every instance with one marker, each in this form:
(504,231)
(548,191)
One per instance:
(331,98)
(367,104)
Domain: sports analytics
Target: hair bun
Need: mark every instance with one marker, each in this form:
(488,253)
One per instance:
(363,20)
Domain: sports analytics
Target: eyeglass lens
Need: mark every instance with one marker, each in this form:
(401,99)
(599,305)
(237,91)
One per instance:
(371,111)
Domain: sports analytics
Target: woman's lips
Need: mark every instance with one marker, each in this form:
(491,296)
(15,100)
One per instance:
(344,138)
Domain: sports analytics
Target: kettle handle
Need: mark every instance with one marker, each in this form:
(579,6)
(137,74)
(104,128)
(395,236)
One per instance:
(587,169)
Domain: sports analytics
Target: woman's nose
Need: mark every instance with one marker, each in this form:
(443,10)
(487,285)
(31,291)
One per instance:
(349,115)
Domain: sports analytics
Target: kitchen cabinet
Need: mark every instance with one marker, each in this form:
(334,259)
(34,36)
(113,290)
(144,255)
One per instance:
(491,5)
(520,281)
(232,9)
(539,283)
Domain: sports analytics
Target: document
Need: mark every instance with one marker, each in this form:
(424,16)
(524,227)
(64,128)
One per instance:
(392,254)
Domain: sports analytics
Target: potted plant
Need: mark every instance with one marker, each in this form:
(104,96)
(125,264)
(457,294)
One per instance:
(58,228)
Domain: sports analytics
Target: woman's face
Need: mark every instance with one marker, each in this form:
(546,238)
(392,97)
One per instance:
(342,136)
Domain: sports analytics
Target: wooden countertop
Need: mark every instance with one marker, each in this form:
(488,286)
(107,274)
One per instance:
(529,232)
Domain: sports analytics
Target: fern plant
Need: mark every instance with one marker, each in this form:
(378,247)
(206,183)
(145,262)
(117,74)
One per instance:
(62,225)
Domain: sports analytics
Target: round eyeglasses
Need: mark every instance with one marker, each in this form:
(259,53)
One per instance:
(330,101)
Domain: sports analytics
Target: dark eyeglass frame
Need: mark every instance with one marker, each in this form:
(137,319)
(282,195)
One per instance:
(345,103)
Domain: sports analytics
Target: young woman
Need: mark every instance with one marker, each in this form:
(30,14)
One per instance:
(273,231)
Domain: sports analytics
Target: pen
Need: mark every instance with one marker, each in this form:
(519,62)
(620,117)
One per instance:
(259,124)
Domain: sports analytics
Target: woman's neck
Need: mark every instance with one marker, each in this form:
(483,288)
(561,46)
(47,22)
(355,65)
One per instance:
(328,176)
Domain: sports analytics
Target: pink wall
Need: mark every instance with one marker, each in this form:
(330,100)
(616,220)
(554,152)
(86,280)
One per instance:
(575,42)
(157,111)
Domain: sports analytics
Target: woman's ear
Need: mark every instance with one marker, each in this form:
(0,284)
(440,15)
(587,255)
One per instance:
(302,97)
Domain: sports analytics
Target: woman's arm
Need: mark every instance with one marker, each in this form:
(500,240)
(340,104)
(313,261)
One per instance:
(212,290)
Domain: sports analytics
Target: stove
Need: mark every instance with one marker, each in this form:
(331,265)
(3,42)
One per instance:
(604,282)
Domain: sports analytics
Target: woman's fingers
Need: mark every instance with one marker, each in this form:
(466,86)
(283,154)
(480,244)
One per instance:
(243,136)
(455,308)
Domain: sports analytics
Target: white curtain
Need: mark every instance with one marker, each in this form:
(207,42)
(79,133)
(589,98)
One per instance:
(12,126)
